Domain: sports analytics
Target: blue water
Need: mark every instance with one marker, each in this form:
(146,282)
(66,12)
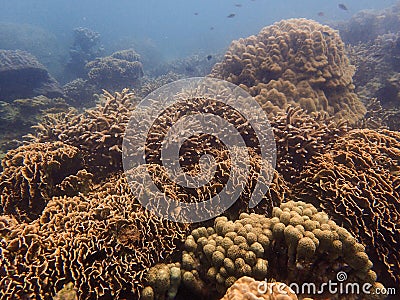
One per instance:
(170,27)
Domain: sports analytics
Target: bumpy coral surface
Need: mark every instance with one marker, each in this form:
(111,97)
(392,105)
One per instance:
(298,62)
(246,288)
(32,174)
(102,242)
(298,244)
(357,183)
(117,71)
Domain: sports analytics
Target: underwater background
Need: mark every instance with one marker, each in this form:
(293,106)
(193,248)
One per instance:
(73,79)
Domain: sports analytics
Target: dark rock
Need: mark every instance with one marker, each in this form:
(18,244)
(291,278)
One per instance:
(23,76)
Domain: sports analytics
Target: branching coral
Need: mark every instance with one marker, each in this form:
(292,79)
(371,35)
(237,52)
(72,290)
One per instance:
(299,137)
(357,183)
(298,62)
(102,242)
(34,173)
(97,132)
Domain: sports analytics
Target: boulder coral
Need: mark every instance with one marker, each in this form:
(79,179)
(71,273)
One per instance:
(103,242)
(298,62)
(357,184)
(297,244)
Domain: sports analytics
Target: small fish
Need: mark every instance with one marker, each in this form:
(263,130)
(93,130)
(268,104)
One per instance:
(211,28)
(321,14)
(238,5)
(231,15)
(209,57)
(342,6)
(196,13)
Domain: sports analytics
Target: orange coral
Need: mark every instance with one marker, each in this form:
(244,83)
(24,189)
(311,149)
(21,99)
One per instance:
(357,183)
(295,61)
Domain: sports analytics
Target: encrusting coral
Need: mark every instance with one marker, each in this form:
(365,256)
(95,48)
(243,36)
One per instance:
(103,242)
(357,184)
(32,174)
(294,62)
(297,244)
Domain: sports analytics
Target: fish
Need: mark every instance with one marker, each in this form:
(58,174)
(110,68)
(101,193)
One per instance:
(238,5)
(342,6)
(211,28)
(231,15)
(196,13)
(209,57)
(321,14)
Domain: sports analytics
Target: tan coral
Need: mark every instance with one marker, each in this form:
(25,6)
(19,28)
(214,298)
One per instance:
(357,183)
(97,132)
(102,242)
(298,53)
(247,288)
(34,173)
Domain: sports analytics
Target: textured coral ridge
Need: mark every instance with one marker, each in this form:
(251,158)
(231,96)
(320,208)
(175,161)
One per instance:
(246,288)
(36,172)
(102,242)
(298,244)
(295,61)
(357,184)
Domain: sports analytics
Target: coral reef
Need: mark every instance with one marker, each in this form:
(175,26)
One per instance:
(377,75)
(367,25)
(294,62)
(299,136)
(21,115)
(297,244)
(80,93)
(103,242)
(246,288)
(23,76)
(120,70)
(36,40)
(191,66)
(97,132)
(85,47)
(32,174)
(357,184)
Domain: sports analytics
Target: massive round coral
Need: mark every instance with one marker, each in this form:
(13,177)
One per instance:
(357,183)
(295,61)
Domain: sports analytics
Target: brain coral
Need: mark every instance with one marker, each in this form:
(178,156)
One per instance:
(298,244)
(357,183)
(32,174)
(295,61)
(102,242)
(246,288)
